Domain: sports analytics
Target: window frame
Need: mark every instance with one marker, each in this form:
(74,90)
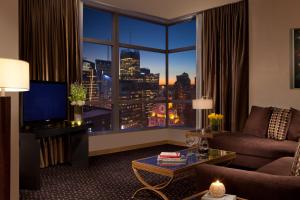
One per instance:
(116,45)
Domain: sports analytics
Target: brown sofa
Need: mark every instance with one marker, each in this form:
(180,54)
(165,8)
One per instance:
(252,146)
(270,159)
(272,181)
(253,152)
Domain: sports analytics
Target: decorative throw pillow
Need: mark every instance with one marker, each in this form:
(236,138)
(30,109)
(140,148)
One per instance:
(295,171)
(294,129)
(279,123)
(258,121)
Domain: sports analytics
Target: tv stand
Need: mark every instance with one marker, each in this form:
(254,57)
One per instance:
(75,147)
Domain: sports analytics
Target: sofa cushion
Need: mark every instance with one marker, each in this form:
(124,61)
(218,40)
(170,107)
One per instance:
(294,129)
(279,123)
(258,121)
(295,170)
(254,146)
(281,166)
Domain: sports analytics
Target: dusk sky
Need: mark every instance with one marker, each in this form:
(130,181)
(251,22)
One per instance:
(98,25)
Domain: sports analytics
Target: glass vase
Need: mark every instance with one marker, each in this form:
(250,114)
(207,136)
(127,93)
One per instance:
(77,113)
(214,125)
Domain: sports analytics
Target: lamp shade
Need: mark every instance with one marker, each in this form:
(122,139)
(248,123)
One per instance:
(202,104)
(14,75)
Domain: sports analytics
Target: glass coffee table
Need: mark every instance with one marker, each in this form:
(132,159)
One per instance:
(176,171)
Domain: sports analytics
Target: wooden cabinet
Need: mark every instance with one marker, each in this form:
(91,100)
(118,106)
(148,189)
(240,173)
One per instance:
(73,150)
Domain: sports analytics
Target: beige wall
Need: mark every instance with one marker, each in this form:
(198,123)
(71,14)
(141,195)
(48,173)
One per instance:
(110,141)
(9,48)
(270,23)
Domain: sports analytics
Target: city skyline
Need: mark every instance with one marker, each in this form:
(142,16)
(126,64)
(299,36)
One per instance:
(178,62)
(98,24)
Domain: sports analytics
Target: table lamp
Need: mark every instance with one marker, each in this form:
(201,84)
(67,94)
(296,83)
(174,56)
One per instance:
(202,104)
(14,77)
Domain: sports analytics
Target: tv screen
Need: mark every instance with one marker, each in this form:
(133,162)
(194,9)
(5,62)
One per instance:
(45,101)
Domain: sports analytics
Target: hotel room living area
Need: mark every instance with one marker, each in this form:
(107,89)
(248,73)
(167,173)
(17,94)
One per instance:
(150,99)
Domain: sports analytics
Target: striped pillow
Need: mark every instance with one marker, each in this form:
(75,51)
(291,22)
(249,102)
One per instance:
(279,123)
(295,171)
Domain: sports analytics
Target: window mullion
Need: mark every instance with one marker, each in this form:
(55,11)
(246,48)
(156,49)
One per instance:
(167,76)
(115,72)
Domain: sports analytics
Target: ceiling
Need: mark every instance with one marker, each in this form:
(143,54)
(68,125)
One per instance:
(166,9)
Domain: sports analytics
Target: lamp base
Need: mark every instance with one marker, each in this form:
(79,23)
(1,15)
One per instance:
(5,117)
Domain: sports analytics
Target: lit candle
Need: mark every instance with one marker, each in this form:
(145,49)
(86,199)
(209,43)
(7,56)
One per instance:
(217,189)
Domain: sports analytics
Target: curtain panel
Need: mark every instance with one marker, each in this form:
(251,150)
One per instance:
(50,39)
(225,63)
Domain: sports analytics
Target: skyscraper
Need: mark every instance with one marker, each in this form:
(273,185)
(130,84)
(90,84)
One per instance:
(129,64)
(89,81)
(136,85)
(182,87)
(183,90)
(96,77)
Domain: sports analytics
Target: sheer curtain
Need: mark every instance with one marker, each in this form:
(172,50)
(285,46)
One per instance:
(222,62)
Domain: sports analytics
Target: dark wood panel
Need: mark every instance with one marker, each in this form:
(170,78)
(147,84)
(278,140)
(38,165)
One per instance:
(75,150)
(5,147)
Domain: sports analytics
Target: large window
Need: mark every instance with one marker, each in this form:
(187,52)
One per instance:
(182,74)
(149,83)
(182,34)
(97,78)
(142,33)
(182,88)
(97,24)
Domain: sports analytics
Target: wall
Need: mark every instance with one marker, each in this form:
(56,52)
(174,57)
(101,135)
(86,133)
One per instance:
(9,48)
(113,141)
(270,24)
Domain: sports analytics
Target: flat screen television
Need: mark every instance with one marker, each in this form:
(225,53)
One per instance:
(45,101)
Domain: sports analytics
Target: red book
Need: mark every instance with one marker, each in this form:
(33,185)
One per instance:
(169,155)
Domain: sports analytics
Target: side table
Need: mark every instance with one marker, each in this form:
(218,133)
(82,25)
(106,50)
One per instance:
(200,194)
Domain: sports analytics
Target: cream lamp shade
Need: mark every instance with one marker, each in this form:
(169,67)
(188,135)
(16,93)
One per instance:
(14,75)
(202,103)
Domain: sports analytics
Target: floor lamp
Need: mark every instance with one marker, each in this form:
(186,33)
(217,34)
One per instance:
(14,77)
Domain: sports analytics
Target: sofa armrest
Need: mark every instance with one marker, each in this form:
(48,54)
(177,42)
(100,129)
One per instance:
(249,184)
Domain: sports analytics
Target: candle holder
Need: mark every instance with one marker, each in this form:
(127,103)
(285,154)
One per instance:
(217,189)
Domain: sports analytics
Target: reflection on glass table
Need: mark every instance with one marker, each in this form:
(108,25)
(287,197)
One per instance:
(191,140)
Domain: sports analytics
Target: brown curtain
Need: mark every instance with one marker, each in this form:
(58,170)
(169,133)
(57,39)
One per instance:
(225,65)
(50,39)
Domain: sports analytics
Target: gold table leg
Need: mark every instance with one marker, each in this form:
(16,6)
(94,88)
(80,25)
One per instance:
(154,188)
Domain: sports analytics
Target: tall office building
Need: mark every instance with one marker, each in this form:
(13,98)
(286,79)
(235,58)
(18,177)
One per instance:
(89,81)
(136,84)
(129,64)
(98,82)
(182,87)
(183,90)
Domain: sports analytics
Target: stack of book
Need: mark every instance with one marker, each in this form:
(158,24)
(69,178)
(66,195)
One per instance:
(171,158)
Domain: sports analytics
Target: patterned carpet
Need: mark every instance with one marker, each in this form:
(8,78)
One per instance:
(108,177)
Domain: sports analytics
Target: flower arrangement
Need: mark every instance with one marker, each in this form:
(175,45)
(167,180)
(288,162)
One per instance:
(77,98)
(77,94)
(215,121)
